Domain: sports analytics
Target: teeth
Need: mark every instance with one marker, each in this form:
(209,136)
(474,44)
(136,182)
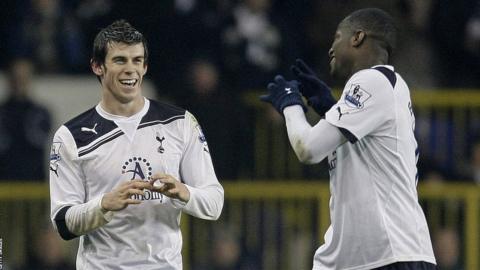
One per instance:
(129,82)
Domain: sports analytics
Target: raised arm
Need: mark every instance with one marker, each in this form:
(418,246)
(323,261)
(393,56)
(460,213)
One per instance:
(311,144)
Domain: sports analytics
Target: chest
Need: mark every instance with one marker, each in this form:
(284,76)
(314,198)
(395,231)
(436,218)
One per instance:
(155,149)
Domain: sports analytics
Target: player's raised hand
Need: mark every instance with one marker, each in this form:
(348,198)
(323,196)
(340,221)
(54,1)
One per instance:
(120,197)
(170,187)
(283,93)
(318,94)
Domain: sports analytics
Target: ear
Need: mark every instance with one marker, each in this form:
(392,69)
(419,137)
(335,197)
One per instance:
(96,68)
(145,70)
(358,38)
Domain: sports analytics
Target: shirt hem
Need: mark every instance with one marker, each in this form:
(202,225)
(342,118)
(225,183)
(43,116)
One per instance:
(383,263)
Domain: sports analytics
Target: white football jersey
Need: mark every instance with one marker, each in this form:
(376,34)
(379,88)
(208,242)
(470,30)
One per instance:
(375,215)
(94,152)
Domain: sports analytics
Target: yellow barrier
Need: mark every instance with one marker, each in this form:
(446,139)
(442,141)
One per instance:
(282,222)
(420,97)
(446,127)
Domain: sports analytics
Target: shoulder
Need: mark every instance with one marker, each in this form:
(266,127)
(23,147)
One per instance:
(163,113)
(369,85)
(368,82)
(375,77)
(83,119)
(88,126)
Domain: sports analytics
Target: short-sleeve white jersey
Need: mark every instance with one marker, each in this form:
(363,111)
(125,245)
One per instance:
(94,152)
(375,215)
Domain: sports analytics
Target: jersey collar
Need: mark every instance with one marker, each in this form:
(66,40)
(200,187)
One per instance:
(387,66)
(128,125)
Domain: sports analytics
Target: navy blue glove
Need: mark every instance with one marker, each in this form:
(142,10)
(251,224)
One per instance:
(282,94)
(318,94)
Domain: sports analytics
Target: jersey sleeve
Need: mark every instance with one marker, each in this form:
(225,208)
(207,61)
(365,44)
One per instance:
(197,172)
(365,106)
(66,184)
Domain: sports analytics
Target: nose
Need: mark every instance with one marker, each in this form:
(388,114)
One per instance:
(330,53)
(129,68)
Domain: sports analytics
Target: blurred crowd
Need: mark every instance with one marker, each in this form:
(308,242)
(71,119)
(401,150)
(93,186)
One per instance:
(246,41)
(206,55)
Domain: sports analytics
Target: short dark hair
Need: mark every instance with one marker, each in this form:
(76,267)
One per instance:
(119,31)
(377,23)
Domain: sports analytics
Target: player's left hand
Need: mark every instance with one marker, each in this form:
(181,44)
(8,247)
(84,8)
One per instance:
(283,93)
(171,187)
(318,94)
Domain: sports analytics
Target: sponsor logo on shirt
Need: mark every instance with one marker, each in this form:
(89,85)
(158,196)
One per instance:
(140,168)
(55,157)
(148,195)
(202,138)
(356,97)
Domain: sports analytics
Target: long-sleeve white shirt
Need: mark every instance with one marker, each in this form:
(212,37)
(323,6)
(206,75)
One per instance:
(94,152)
(374,210)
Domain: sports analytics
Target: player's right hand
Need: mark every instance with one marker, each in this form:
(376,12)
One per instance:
(283,93)
(120,197)
(318,94)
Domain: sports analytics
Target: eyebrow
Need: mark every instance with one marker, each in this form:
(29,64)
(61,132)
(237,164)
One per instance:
(119,57)
(122,57)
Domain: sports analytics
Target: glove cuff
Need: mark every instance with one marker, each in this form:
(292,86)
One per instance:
(321,106)
(290,100)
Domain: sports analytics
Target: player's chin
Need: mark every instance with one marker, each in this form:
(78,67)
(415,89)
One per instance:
(336,73)
(333,68)
(128,96)
(333,71)
(129,90)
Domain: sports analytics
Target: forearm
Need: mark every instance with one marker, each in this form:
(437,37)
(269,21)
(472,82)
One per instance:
(83,218)
(205,203)
(311,144)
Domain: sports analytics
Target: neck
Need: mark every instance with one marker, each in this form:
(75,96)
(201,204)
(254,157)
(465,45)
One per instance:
(367,60)
(123,109)
(368,63)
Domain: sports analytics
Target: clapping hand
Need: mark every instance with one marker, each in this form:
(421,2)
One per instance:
(283,93)
(318,94)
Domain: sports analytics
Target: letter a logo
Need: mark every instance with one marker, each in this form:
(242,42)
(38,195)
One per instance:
(137,171)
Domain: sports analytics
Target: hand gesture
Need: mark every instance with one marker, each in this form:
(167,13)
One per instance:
(170,187)
(282,94)
(120,197)
(318,94)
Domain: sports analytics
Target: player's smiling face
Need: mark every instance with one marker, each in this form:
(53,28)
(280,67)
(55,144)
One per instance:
(122,73)
(339,54)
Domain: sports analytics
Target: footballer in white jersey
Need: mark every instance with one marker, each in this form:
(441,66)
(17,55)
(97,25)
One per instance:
(122,173)
(368,136)
(374,207)
(94,152)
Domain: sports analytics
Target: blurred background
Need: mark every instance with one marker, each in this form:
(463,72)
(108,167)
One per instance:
(214,57)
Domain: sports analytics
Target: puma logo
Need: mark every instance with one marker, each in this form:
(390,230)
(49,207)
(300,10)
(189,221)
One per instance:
(85,129)
(55,170)
(339,113)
